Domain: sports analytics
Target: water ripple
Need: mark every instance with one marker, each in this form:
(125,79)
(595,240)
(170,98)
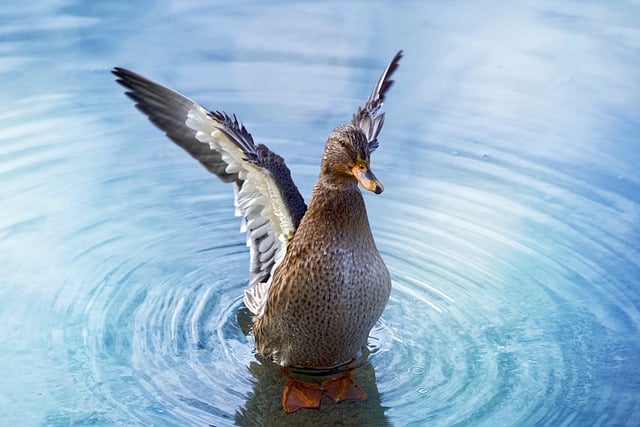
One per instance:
(501,289)
(502,311)
(509,219)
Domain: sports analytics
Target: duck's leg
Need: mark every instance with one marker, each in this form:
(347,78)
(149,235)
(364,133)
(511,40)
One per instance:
(343,388)
(299,394)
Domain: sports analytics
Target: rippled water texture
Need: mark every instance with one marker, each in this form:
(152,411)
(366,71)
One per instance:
(509,220)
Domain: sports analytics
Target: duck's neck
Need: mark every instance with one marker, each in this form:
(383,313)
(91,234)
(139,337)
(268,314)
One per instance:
(339,207)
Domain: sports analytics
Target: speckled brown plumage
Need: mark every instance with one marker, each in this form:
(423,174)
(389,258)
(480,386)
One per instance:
(317,283)
(332,284)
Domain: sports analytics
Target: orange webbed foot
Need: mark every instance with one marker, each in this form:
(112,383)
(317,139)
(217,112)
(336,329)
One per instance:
(299,394)
(343,388)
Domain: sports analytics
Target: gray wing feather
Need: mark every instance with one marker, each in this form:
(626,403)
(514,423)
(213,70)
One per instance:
(368,117)
(265,194)
(168,110)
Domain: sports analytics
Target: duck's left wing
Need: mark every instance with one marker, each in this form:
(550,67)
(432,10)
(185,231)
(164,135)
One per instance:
(266,196)
(369,118)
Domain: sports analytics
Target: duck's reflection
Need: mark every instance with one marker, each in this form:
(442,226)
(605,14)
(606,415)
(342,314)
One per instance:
(264,403)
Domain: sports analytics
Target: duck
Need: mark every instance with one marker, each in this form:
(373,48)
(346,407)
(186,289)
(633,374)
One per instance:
(317,283)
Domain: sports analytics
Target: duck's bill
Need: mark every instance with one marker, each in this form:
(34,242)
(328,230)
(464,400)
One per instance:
(368,180)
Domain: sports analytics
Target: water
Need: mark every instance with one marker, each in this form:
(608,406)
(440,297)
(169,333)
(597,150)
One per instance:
(509,220)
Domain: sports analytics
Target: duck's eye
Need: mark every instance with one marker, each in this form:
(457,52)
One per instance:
(362,166)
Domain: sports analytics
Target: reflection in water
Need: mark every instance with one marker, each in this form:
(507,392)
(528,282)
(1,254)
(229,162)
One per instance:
(509,219)
(264,403)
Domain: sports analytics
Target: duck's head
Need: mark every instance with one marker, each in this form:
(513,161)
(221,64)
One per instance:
(346,160)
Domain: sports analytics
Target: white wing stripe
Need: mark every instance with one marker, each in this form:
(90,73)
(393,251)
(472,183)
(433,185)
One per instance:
(258,200)
(265,196)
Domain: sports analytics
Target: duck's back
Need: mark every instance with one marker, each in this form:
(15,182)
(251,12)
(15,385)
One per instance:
(330,288)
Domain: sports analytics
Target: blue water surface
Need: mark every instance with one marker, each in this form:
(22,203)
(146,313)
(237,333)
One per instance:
(510,218)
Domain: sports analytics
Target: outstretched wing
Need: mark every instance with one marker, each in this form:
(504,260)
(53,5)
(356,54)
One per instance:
(368,117)
(266,196)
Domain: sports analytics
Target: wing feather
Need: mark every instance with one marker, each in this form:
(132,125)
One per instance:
(368,117)
(265,195)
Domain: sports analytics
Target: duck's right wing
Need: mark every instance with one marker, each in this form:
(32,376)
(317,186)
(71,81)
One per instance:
(266,196)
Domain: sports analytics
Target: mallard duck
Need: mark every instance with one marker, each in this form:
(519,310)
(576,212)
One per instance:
(317,283)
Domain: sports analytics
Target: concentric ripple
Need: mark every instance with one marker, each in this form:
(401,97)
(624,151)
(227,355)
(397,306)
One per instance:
(509,220)
(514,316)
(504,308)
(493,317)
